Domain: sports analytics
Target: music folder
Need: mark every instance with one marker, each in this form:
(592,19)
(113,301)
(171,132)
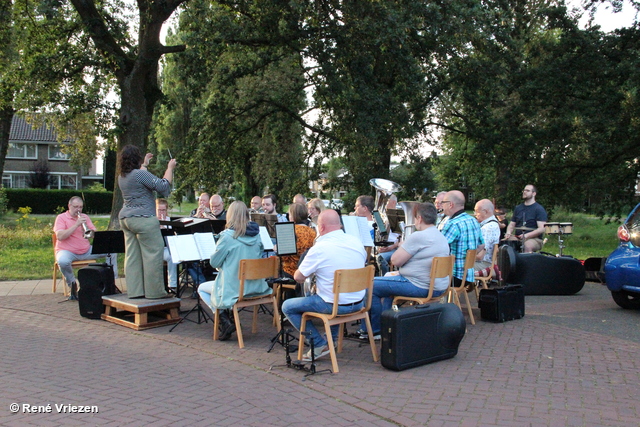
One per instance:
(286,238)
(358,226)
(266,220)
(187,225)
(191,247)
(108,242)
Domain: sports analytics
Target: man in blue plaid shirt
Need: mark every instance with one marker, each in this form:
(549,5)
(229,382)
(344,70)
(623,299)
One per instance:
(462,232)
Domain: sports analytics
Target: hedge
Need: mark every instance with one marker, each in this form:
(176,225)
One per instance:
(47,201)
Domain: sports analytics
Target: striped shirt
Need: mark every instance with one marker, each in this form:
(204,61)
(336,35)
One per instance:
(137,191)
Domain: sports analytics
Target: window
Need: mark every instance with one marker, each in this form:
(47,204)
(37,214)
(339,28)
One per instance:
(20,181)
(22,151)
(6,181)
(55,153)
(68,181)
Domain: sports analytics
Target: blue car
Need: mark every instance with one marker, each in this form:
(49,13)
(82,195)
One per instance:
(622,268)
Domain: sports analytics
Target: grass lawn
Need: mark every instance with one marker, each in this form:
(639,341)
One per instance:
(26,250)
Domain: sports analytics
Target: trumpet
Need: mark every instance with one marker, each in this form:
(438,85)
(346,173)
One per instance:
(87,231)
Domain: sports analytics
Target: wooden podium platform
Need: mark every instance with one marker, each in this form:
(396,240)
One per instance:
(140,314)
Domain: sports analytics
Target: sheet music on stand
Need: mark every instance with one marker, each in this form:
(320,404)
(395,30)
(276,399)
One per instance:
(266,239)
(395,217)
(358,226)
(266,220)
(191,247)
(286,238)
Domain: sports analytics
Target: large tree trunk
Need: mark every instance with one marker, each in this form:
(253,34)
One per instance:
(6,115)
(137,75)
(140,93)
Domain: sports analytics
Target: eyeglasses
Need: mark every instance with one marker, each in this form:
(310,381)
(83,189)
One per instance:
(446,201)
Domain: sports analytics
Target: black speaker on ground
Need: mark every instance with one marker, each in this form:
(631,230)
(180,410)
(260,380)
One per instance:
(95,281)
(420,334)
(541,274)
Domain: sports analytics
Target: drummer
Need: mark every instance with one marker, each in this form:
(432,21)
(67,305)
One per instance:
(528,221)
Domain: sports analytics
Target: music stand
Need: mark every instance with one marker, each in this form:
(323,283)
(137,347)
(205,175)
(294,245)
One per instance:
(186,250)
(218,225)
(285,233)
(266,220)
(108,242)
(395,217)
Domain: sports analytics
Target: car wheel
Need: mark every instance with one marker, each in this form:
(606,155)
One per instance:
(625,300)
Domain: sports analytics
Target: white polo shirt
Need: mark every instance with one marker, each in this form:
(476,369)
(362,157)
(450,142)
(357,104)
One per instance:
(334,251)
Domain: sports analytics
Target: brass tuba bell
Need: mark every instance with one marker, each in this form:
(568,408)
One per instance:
(384,190)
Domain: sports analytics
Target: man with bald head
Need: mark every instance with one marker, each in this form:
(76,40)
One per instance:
(462,232)
(256,204)
(490,228)
(333,250)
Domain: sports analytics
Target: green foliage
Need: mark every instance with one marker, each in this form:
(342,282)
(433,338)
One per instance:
(416,178)
(97,187)
(541,101)
(4,202)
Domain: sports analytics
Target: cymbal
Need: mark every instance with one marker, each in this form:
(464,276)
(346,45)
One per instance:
(524,228)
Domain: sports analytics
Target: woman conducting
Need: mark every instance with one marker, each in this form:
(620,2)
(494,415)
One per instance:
(143,240)
(240,240)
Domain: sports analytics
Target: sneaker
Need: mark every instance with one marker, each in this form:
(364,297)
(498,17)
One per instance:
(319,352)
(365,336)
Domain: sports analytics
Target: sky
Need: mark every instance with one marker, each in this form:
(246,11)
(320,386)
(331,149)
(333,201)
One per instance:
(608,20)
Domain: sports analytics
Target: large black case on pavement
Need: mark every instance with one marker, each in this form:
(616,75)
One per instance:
(502,304)
(95,281)
(421,334)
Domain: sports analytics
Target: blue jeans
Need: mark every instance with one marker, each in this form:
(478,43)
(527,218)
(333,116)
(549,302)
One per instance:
(387,287)
(384,258)
(294,307)
(64,259)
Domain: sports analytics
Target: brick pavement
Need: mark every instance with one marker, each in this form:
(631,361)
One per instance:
(553,367)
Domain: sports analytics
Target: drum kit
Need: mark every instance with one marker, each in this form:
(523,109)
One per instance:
(559,229)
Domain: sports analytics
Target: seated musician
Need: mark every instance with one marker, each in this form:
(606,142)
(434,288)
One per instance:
(216,207)
(203,206)
(315,206)
(414,258)
(240,240)
(490,228)
(305,236)
(333,250)
(386,252)
(162,209)
(256,205)
(528,221)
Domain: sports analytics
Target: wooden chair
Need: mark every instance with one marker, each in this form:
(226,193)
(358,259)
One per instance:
(441,267)
(56,267)
(278,292)
(251,269)
(454,295)
(483,282)
(344,281)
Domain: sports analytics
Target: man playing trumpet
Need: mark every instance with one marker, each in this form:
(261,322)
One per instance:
(73,229)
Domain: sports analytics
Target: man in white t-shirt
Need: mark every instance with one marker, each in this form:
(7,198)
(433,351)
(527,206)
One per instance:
(333,250)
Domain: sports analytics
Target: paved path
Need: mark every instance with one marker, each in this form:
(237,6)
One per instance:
(571,361)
